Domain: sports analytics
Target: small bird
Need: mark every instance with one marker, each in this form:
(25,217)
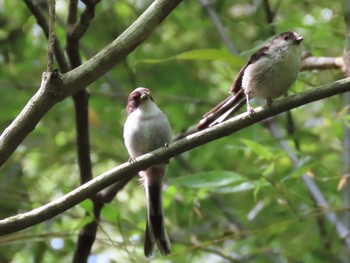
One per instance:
(146,129)
(268,74)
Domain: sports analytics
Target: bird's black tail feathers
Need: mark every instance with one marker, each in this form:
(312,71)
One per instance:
(155,226)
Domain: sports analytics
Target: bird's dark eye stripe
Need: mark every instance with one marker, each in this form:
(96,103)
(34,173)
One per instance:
(135,97)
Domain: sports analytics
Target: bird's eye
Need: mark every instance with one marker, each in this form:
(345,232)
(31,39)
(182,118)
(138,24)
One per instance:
(286,38)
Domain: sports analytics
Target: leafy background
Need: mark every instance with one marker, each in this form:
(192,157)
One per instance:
(237,199)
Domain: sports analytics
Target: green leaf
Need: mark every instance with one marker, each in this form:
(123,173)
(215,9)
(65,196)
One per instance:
(169,195)
(209,179)
(305,164)
(258,185)
(268,170)
(201,54)
(244,186)
(80,223)
(87,205)
(258,149)
(210,54)
(110,213)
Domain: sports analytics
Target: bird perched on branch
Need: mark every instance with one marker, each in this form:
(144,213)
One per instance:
(145,130)
(268,74)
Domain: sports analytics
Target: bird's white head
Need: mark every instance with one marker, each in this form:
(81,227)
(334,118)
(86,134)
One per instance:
(138,98)
(285,40)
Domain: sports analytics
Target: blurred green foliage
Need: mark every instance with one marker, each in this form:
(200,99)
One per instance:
(237,199)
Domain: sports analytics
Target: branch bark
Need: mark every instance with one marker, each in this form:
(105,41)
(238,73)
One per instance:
(311,63)
(51,44)
(87,234)
(77,79)
(126,171)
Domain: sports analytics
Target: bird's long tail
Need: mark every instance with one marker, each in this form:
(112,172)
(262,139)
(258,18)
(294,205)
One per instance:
(223,110)
(155,226)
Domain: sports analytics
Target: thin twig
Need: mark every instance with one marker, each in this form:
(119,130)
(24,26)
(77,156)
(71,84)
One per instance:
(270,16)
(221,254)
(51,44)
(41,20)
(219,26)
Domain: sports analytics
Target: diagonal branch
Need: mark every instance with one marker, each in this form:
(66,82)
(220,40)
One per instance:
(77,79)
(126,171)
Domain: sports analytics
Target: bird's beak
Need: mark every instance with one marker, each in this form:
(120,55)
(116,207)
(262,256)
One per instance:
(145,95)
(298,40)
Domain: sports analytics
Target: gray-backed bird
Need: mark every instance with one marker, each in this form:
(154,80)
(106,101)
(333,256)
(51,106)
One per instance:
(268,74)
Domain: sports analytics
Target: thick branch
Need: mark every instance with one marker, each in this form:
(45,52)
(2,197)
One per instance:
(86,238)
(311,63)
(26,121)
(81,108)
(80,98)
(76,30)
(80,77)
(72,12)
(126,171)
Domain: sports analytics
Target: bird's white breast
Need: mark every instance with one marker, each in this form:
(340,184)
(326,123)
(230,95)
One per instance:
(146,129)
(273,74)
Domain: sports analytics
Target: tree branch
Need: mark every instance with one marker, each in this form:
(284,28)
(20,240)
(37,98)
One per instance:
(80,98)
(79,78)
(311,63)
(270,16)
(72,13)
(86,17)
(126,171)
(51,44)
(87,234)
